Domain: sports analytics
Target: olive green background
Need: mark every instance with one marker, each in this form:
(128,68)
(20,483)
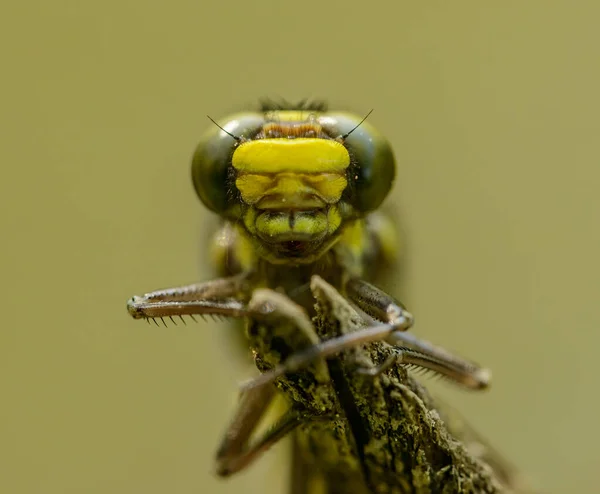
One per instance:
(493,110)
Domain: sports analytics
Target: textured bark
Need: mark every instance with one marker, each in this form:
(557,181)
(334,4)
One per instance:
(400,439)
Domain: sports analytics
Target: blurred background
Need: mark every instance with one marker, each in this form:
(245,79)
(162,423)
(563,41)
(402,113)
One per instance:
(493,110)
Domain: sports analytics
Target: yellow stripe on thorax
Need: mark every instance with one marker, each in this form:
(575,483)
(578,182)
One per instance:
(299,155)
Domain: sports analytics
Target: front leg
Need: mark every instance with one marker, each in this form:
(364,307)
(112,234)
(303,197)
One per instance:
(410,349)
(229,297)
(223,296)
(269,309)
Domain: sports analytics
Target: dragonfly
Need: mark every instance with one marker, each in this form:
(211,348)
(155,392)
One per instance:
(301,245)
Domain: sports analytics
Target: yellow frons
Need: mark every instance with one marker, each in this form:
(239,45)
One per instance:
(300,155)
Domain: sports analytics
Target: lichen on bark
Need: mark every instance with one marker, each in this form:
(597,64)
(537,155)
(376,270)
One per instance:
(404,442)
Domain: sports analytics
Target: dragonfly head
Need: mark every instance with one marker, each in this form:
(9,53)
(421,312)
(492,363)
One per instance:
(293,178)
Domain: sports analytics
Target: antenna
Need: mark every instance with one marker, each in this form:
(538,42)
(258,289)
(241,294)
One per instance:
(238,139)
(343,136)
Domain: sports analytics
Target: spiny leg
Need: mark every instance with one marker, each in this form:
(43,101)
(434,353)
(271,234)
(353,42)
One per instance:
(223,296)
(227,297)
(323,349)
(410,349)
(264,305)
(423,354)
(236,451)
(303,358)
(378,304)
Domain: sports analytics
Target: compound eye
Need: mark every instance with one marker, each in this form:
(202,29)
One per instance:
(212,159)
(373,165)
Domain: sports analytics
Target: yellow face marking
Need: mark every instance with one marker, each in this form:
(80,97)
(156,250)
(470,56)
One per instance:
(299,155)
(290,190)
(277,226)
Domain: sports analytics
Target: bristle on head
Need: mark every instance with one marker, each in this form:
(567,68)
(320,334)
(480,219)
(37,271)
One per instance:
(268,104)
